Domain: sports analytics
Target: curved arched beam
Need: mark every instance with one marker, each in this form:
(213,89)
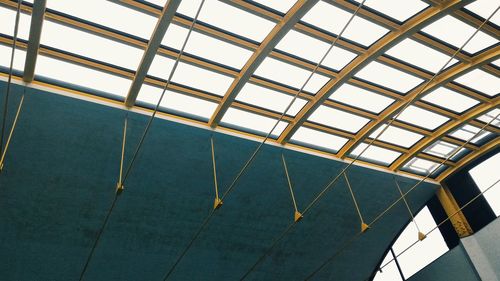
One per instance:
(445,129)
(442,79)
(411,26)
(493,144)
(164,21)
(293,16)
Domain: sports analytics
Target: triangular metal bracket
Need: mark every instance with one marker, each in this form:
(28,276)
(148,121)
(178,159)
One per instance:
(217,203)
(297,216)
(364,227)
(421,236)
(119,188)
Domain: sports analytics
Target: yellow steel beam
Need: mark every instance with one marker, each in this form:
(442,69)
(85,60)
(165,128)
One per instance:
(457,218)
(493,144)
(378,48)
(445,129)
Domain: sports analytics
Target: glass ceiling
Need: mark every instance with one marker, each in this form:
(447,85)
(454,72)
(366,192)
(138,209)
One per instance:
(96,47)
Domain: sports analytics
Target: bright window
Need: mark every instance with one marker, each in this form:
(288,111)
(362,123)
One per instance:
(481,81)
(484,8)
(444,150)
(388,77)
(176,102)
(456,33)
(206,47)
(191,76)
(488,117)
(361,98)
(19,57)
(318,139)
(390,272)
(420,55)
(399,10)
(312,49)
(228,18)
(486,175)
(422,118)
(333,20)
(449,99)
(396,136)
(269,99)
(8,21)
(109,14)
(252,122)
(421,165)
(338,119)
(90,45)
(278,5)
(376,153)
(290,75)
(467,132)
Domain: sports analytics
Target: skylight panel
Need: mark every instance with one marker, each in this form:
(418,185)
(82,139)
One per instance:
(90,45)
(191,76)
(251,121)
(484,8)
(269,99)
(456,33)
(206,47)
(449,99)
(488,117)
(19,57)
(229,18)
(278,5)
(422,118)
(388,77)
(467,132)
(290,75)
(418,54)
(312,49)
(485,175)
(496,63)
(421,165)
(376,154)
(481,81)
(81,76)
(176,102)
(399,10)
(8,21)
(444,150)
(397,136)
(318,139)
(109,14)
(338,119)
(333,20)
(361,98)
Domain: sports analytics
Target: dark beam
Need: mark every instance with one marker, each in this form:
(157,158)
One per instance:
(34,39)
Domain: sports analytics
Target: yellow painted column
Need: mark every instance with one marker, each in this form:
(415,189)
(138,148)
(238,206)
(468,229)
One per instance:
(457,218)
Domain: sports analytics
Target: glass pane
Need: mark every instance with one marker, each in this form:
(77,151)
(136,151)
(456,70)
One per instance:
(279,5)
(444,150)
(206,47)
(388,77)
(485,175)
(109,14)
(333,20)
(484,8)
(90,45)
(390,272)
(399,10)
(422,118)
(290,75)
(376,154)
(191,76)
(420,55)
(449,99)
(456,32)
(228,18)
(176,102)
(397,136)
(81,76)
(321,140)
(361,98)
(309,48)
(488,117)
(467,131)
(421,165)
(424,252)
(8,21)
(481,81)
(269,99)
(253,122)
(19,57)
(338,119)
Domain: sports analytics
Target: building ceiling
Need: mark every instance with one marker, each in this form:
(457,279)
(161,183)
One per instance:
(246,60)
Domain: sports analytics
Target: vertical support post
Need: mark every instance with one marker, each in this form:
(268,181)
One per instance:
(450,206)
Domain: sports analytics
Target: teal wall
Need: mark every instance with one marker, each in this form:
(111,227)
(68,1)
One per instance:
(62,168)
